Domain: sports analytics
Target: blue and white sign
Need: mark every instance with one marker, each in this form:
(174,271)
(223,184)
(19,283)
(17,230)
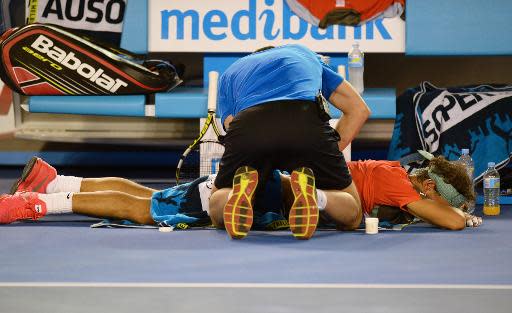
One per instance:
(246,25)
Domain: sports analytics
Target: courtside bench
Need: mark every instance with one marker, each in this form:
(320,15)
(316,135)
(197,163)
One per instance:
(182,102)
(434,27)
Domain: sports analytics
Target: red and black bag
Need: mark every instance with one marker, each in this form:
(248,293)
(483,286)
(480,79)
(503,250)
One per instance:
(44,59)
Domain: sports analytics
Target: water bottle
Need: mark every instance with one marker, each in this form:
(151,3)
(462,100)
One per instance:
(466,160)
(356,68)
(491,190)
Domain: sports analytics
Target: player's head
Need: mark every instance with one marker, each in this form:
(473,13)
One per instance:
(446,180)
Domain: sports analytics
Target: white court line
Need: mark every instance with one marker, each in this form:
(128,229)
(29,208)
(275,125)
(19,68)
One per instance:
(253,285)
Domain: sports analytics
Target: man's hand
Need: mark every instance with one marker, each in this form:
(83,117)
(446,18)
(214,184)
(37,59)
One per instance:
(472,220)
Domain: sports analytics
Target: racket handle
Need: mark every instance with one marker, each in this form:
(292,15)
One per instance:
(213,78)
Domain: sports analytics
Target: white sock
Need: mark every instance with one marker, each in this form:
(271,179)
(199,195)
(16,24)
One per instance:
(321,199)
(58,203)
(63,183)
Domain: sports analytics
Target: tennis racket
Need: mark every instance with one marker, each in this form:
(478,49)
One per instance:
(203,156)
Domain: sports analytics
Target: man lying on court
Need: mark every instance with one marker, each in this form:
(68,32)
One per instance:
(433,193)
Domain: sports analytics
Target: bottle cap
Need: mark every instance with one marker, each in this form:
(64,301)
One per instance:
(465,151)
(491,164)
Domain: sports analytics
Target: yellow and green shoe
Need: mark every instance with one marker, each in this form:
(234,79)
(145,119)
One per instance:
(303,216)
(238,213)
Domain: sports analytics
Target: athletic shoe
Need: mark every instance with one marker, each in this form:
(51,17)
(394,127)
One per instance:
(21,206)
(36,175)
(238,215)
(303,216)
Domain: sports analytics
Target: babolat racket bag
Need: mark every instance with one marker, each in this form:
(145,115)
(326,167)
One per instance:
(44,59)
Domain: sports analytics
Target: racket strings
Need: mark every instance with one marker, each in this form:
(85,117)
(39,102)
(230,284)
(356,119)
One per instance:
(210,153)
(202,160)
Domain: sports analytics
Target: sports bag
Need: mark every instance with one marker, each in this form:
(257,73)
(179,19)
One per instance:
(44,59)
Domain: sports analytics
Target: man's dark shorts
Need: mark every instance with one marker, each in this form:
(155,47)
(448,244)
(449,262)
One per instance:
(283,135)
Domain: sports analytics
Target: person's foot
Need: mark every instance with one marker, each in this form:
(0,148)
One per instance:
(21,206)
(238,214)
(303,216)
(36,175)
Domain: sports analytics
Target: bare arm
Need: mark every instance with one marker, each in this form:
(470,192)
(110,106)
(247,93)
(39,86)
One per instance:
(438,214)
(355,112)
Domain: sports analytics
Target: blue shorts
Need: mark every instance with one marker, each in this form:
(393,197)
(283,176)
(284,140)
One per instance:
(180,206)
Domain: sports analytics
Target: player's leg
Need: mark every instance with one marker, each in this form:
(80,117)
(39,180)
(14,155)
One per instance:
(103,204)
(116,184)
(39,176)
(113,205)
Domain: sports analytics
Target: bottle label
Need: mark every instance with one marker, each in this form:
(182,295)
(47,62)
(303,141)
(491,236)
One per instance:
(355,61)
(491,182)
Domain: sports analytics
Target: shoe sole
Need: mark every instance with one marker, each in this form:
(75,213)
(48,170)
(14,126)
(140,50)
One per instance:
(238,213)
(26,171)
(303,218)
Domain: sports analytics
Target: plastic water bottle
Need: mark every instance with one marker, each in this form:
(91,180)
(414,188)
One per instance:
(466,160)
(356,68)
(491,190)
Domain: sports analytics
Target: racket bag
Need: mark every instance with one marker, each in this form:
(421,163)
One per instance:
(44,59)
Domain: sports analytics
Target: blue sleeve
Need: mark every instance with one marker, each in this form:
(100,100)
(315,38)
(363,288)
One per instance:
(224,100)
(330,80)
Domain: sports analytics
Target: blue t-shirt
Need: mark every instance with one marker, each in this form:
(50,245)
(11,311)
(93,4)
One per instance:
(290,72)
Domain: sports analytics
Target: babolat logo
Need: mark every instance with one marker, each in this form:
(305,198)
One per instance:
(46,46)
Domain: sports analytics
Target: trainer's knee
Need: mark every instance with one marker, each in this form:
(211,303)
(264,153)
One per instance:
(217,202)
(344,210)
(353,225)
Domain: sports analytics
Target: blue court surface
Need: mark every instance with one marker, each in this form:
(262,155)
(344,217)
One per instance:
(61,264)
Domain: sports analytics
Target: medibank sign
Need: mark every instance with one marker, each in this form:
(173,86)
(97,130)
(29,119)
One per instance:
(246,25)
